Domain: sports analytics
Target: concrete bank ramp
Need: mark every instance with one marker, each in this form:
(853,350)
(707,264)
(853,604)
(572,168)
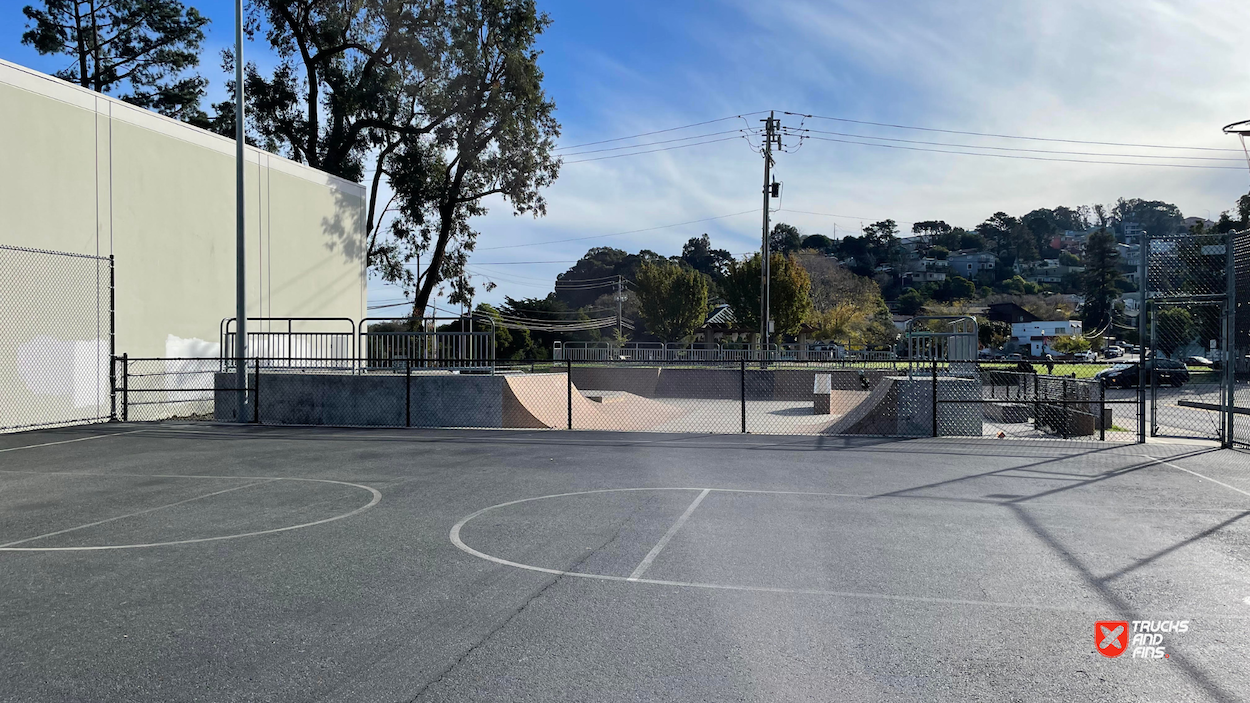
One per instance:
(542,401)
(873,414)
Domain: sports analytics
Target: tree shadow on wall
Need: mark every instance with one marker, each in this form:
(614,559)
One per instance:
(345,230)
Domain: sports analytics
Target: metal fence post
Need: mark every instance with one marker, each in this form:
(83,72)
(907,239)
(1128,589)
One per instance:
(256,393)
(742,391)
(935,395)
(408,392)
(112,343)
(125,387)
(1102,412)
(1230,339)
(1143,282)
(1037,406)
(1065,411)
(568,377)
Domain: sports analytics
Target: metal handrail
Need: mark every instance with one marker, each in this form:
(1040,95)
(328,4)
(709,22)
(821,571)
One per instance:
(225,331)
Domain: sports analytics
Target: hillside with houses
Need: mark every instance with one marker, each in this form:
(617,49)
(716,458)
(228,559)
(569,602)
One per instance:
(1058,281)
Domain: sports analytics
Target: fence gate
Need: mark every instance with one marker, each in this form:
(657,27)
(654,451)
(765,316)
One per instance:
(56,338)
(1241,339)
(1187,339)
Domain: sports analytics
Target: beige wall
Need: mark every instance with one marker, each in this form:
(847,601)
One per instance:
(84,173)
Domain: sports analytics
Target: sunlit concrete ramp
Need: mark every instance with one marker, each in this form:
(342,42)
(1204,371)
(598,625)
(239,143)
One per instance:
(543,401)
(873,414)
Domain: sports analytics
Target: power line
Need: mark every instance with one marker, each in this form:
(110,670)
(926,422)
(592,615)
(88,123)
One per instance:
(616,234)
(658,131)
(663,141)
(1032,151)
(1007,136)
(1026,158)
(559,312)
(651,151)
(510,274)
(520,263)
(845,217)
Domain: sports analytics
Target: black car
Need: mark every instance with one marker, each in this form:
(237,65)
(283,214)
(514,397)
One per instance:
(1168,372)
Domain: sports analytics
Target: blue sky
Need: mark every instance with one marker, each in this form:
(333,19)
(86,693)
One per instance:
(1138,71)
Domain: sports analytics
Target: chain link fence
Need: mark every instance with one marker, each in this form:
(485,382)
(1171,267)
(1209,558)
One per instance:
(1189,349)
(1096,402)
(56,339)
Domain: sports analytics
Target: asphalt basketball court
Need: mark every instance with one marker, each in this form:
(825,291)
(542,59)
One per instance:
(171,563)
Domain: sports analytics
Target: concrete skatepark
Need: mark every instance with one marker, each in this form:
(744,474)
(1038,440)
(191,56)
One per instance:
(778,401)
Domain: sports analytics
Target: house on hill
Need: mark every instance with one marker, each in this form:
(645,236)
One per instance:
(1010,313)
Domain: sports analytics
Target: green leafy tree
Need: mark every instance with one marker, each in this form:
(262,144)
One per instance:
(672,299)
(820,243)
(789,293)
(147,49)
(592,276)
(443,97)
(1069,344)
(955,288)
(911,302)
(785,238)
(933,229)
(1016,285)
(992,334)
(1009,238)
(1063,218)
(1102,275)
(1175,328)
(1155,216)
(698,253)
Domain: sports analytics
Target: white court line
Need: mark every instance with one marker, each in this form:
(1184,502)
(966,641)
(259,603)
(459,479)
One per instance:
(659,546)
(375,493)
(927,600)
(68,441)
(1195,473)
(141,512)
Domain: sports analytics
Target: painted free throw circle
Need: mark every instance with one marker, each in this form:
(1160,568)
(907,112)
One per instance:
(375,497)
(458,541)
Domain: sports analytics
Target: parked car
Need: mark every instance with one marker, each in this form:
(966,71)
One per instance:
(1113,352)
(1085,356)
(1169,372)
(1013,357)
(989,354)
(1198,361)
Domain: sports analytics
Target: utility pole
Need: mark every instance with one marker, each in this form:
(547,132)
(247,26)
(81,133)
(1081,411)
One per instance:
(620,299)
(771,135)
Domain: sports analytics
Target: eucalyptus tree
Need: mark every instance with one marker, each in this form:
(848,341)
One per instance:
(437,104)
(146,49)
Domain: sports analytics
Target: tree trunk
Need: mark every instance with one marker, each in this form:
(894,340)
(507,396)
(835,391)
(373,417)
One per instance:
(314,124)
(95,49)
(82,48)
(436,261)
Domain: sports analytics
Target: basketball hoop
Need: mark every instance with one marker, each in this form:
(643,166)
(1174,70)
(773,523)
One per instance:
(1241,129)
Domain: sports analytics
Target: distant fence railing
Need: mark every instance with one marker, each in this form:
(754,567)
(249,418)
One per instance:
(322,342)
(657,352)
(376,344)
(393,343)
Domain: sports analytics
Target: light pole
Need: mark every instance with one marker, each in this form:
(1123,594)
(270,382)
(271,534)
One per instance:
(240,244)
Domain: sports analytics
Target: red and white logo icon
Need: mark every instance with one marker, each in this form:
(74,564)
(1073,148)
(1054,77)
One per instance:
(1111,637)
